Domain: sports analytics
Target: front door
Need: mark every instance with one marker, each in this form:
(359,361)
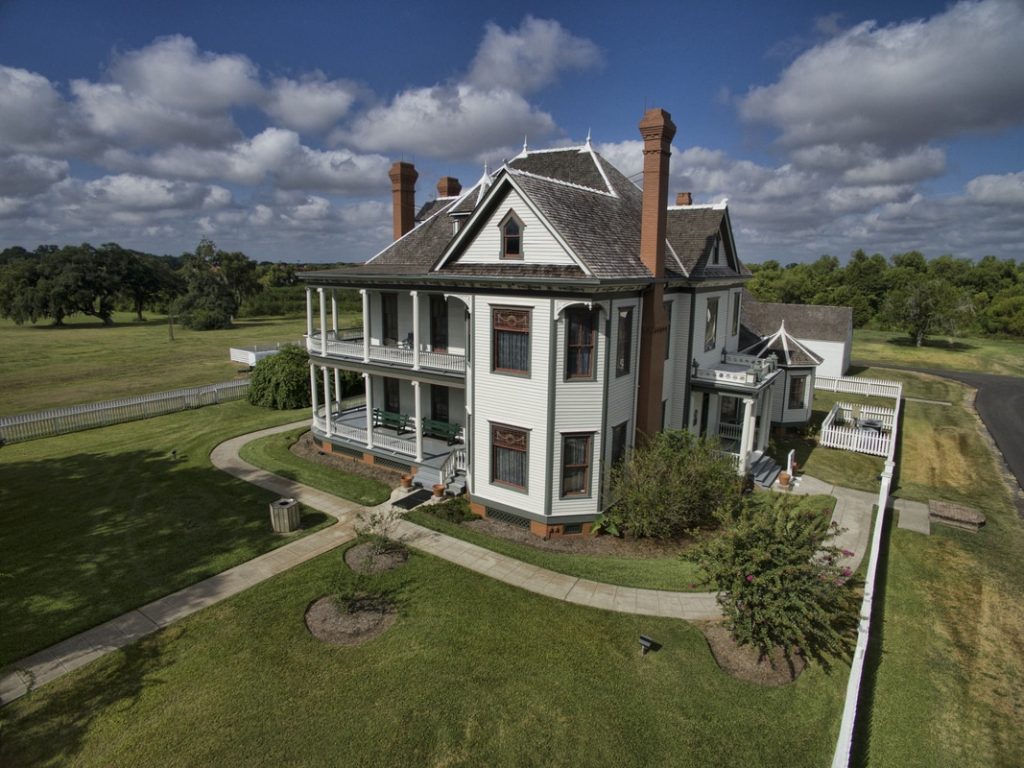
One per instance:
(392,402)
(438,323)
(389,319)
(438,403)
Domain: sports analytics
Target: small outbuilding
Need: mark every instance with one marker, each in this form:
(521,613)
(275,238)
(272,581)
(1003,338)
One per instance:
(823,330)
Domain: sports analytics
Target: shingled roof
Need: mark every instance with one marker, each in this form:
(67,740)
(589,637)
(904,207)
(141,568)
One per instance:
(788,351)
(594,208)
(804,321)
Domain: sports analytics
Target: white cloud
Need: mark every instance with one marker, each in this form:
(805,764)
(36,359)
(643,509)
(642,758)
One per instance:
(458,121)
(527,59)
(959,71)
(127,192)
(173,71)
(31,111)
(312,104)
(1007,189)
(26,175)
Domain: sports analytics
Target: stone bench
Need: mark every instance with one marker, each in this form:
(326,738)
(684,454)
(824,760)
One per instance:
(955,515)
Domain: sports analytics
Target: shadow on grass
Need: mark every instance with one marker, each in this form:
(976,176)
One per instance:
(52,728)
(944,344)
(90,536)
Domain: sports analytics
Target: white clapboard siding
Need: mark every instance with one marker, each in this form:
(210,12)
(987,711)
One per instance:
(539,245)
(681,357)
(621,389)
(59,421)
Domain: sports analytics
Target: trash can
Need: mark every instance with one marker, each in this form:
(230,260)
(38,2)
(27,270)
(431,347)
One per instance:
(285,515)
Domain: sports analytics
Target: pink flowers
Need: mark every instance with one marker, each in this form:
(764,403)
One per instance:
(847,572)
(750,578)
(847,553)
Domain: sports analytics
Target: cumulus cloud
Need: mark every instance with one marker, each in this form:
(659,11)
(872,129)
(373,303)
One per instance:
(27,175)
(140,193)
(274,155)
(959,71)
(1007,189)
(32,112)
(312,104)
(527,59)
(459,121)
(174,71)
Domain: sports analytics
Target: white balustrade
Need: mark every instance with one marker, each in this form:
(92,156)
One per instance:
(353,349)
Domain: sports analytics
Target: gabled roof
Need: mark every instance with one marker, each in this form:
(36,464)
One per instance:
(787,349)
(804,321)
(590,207)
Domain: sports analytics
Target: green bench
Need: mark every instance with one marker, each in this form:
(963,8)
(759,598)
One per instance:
(441,429)
(397,421)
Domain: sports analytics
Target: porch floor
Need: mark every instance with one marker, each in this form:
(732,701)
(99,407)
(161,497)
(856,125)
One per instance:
(435,451)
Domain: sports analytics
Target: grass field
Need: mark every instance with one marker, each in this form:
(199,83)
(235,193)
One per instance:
(475,672)
(979,355)
(44,367)
(272,454)
(99,522)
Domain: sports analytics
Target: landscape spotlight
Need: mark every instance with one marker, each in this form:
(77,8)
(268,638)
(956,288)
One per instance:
(648,644)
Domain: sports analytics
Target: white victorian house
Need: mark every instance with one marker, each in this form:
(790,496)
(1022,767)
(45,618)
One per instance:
(519,336)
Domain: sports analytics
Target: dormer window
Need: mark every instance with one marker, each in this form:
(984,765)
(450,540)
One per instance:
(512,237)
(716,251)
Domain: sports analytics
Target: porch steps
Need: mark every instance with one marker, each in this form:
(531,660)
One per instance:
(427,476)
(765,470)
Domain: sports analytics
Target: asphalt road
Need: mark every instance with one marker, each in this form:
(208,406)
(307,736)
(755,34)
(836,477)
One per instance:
(1000,403)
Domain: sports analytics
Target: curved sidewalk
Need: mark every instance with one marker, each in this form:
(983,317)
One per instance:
(853,512)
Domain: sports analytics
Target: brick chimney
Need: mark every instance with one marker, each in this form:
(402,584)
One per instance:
(403,197)
(657,130)
(684,198)
(448,186)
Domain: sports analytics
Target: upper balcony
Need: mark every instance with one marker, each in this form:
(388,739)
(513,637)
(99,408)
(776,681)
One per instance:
(353,346)
(735,370)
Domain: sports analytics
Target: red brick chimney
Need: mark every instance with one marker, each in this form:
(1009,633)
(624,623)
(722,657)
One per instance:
(448,186)
(684,198)
(657,130)
(403,197)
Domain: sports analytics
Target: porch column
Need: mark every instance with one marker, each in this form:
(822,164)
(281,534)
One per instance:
(329,430)
(415,332)
(419,422)
(369,410)
(312,388)
(766,421)
(334,313)
(323,323)
(309,312)
(747,437)
(337,388)
(366,325)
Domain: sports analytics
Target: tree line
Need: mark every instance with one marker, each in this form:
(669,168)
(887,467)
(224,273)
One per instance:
(204,289)
(907,292)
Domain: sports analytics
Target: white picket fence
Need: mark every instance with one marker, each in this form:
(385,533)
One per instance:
(858,386)
(60,421)
(840,429)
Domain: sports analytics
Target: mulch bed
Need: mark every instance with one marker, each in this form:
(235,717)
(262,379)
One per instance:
(306,449)
(362,559)
(581,545)
(336,626)
(745,662)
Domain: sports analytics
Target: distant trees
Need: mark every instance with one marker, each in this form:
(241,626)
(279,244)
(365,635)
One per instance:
(216,284)
(945,295)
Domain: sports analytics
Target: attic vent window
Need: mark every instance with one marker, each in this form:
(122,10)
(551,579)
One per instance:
(715,251)
(512,237)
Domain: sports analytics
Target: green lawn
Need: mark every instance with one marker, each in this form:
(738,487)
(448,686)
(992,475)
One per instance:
(99,522)
(669,572)
(980,355)
(44,367)
(272,454)
(475,672)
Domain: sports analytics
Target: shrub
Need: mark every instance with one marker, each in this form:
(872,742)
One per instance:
(778,580)
(205,319)
(673,483)
(281,381)
(453,510)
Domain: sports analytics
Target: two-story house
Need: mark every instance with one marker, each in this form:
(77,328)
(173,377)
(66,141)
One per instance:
(524,333)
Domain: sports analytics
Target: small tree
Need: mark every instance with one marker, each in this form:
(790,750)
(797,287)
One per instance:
(281,381)
(671,484)
(923,306)
(778,580)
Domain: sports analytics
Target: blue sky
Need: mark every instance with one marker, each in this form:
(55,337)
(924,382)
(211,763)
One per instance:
(269,127)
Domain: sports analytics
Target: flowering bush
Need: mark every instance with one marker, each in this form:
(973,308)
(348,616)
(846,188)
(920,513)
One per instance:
(778,579)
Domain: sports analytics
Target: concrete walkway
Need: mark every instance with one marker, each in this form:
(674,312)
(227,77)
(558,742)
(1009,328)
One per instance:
(853,512)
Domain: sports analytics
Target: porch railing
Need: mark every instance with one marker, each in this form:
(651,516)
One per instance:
(456,462)
(392,355)
(858,386)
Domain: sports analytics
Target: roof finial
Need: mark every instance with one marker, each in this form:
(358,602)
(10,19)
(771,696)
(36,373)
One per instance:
(588,138)
(525,147)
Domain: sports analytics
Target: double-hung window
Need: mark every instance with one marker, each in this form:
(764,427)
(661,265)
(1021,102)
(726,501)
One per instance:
(735,313)
(575,465)
(668,329)
(510,451)
(512,237)
(579,343)
(711,325)
(797,393)
(511,348)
